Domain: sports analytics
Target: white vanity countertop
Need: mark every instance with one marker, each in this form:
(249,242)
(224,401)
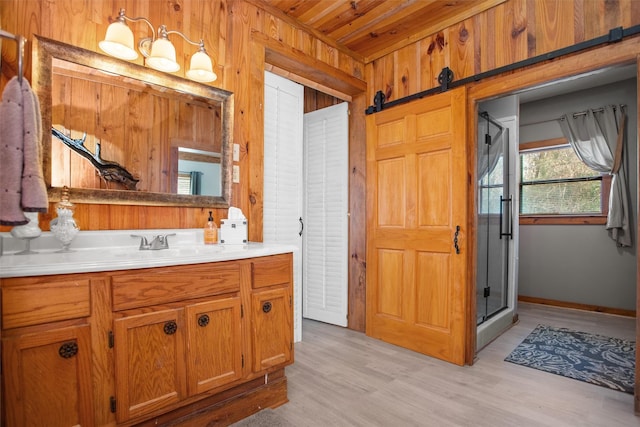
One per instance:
(94,251)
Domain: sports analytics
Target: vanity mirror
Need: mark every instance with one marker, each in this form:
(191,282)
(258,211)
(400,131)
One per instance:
(120,133)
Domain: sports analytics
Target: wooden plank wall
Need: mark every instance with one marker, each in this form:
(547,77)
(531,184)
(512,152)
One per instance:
(84,24)
(508,33)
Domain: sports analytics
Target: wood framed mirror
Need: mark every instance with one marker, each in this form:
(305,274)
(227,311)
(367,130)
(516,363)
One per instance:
(132,135)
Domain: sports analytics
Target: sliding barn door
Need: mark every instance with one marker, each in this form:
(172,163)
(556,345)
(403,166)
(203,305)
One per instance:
(417,219)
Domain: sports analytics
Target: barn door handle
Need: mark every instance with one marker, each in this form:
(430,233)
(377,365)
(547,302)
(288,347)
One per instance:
(455,239)
(301,226)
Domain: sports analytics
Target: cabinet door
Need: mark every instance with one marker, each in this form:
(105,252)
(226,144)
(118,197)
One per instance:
(272,331)
(48,378)
(214,355)
(149,366)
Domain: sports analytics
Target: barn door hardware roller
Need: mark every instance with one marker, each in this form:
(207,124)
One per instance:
(378,103)
(444,78)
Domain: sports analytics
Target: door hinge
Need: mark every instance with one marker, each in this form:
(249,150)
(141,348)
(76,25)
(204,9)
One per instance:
(290,345)
(112,404)
(487,292)
(242,358)
(290,300)
(111,339)
(241,311)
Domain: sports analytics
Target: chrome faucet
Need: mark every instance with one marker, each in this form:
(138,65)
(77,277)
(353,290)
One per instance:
(158,242)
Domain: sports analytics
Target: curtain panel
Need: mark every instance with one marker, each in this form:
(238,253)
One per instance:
(597,137)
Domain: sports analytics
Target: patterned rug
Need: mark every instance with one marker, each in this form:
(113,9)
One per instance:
(595,359)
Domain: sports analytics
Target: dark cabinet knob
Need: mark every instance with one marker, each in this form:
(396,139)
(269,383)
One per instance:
(266,307)
(203,320)
(170,328)
(68,349)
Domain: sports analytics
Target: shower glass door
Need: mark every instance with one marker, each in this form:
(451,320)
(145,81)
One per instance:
(495,227)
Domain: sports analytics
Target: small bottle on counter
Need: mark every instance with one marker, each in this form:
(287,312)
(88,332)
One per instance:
(210,231)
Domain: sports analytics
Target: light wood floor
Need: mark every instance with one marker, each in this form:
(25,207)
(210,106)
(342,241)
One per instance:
(344,378)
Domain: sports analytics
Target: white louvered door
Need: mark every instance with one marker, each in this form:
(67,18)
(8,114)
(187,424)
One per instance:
(320,184)
(283,185)
(326,204)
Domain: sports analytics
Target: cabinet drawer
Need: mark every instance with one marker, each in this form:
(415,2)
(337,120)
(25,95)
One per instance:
(171,284)
(44,301)
(271,270)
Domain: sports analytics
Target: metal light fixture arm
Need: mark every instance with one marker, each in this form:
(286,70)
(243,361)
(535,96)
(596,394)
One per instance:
(163,31)
(123,18)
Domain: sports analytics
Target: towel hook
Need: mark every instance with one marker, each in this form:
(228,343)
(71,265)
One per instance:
(20,41)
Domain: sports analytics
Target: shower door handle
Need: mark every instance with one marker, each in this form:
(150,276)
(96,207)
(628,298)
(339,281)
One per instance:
(508,201)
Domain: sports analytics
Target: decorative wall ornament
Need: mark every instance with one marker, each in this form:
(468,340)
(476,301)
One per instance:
(108,170)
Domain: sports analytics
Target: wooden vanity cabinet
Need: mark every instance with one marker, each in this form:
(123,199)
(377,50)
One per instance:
(214,351)
(47,378)
(164,356)
(46,366)
(149,362)
(175,348)
(271,310)
(201,342)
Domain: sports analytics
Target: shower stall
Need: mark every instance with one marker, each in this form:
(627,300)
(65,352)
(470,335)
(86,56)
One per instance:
(495,275)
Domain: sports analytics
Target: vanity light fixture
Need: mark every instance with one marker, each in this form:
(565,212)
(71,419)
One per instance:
(159,52)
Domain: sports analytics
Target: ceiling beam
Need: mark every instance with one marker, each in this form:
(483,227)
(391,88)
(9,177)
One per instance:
(297,62)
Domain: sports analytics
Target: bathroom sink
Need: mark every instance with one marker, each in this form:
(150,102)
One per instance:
(94,251)
(177,252)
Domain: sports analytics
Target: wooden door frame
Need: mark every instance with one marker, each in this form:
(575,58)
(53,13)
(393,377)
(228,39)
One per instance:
(270,54)
(624,52)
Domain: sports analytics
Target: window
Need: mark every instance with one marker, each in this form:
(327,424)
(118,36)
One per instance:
(491,189)
(557,188)
(190,183)
(184,183)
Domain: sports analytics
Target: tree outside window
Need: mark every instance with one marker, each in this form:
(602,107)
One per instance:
(557,187)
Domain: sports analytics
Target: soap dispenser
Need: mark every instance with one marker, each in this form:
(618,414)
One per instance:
(210,231)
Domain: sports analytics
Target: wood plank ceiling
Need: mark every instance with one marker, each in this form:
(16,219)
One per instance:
(374,28)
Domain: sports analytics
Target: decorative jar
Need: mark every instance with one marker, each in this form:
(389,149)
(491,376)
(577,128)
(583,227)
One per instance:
(64,227)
